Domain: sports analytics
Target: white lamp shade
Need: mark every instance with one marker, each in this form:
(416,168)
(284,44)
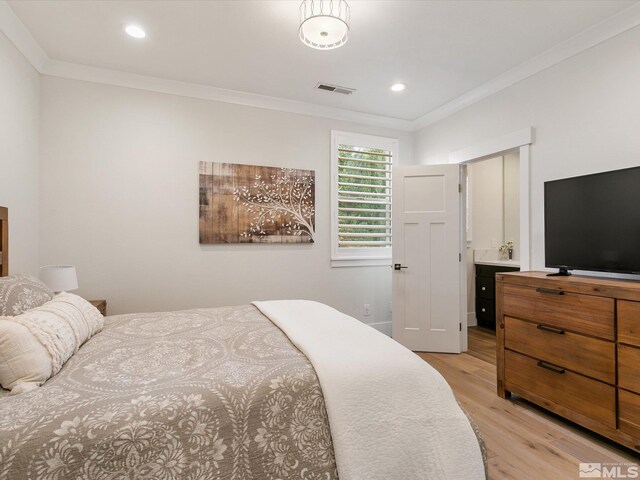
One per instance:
(59,278)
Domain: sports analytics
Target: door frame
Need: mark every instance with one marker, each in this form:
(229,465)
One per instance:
(520,140)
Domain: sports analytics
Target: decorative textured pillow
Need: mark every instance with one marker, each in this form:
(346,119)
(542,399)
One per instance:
(20,292)
(35,345)
(24,362)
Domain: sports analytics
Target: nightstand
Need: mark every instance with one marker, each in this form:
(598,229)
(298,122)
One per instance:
(101,305)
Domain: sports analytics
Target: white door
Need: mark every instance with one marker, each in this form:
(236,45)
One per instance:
(427,275)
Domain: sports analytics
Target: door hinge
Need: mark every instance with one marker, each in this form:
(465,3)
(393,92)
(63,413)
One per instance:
(459,257)
(460,326)
(460,188)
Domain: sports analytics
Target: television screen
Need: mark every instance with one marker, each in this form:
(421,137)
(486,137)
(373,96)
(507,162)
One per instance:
(593,222)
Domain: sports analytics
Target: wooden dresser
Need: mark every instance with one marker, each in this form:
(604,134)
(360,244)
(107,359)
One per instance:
(572,346)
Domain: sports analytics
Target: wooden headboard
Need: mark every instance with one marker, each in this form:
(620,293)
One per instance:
(4,241)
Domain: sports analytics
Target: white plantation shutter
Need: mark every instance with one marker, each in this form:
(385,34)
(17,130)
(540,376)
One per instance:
(362,188)
(364,197)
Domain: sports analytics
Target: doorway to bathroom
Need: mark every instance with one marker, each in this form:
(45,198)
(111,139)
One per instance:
(493,233)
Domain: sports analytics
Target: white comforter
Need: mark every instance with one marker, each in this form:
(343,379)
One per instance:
(392,416)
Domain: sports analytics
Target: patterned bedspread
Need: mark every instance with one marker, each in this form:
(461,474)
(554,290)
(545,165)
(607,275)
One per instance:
(200,394)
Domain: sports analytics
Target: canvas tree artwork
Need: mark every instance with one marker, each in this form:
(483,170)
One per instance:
(256,204)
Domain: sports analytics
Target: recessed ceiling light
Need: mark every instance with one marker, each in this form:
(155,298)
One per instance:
(135,31)
(398,87)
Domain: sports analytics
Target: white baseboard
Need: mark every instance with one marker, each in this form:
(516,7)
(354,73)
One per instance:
(471,319)
(384,327)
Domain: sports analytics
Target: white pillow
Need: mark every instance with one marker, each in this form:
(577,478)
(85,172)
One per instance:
(53,331)
(24,362)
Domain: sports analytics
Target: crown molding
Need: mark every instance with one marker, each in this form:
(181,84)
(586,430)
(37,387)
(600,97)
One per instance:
(18,34)
(621,22)
(185,89)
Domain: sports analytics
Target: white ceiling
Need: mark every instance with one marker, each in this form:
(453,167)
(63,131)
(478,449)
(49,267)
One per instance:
(440,49)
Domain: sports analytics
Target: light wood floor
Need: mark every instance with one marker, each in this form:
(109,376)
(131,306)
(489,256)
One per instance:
(523,441)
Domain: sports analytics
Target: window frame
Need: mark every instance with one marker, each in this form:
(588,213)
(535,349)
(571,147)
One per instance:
(360,256)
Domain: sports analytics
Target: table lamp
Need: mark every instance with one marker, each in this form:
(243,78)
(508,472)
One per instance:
(59,278)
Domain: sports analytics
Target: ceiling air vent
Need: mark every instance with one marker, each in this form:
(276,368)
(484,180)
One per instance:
(335,88)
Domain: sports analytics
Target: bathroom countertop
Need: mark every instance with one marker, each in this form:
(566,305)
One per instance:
(499,263)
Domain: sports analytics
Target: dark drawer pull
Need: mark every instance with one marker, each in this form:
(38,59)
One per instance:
(550,367)
(550,291)
(544,328)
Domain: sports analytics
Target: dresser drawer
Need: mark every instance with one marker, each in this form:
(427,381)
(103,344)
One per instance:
(586,355)
(629,408)
(629,368)
(485,287)
(574,312)
(588,397)
(629,322)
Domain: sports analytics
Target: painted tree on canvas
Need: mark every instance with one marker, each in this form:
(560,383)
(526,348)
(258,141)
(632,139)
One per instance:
(285,198)
(242,203)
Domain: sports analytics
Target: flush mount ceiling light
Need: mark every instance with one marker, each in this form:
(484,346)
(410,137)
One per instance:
(398,87)
(134,31)
(324,24)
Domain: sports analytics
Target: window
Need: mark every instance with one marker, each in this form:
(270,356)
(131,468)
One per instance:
(361,199)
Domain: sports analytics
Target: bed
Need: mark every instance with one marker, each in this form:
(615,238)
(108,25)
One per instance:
(271,390)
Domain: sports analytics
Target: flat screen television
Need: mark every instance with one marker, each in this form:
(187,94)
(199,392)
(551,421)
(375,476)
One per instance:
(592,222)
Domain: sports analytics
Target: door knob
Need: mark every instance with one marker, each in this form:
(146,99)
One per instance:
(398,266)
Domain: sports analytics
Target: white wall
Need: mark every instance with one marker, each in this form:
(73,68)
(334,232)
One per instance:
(487,197)
(586,114)
(119,199)
(19,111)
